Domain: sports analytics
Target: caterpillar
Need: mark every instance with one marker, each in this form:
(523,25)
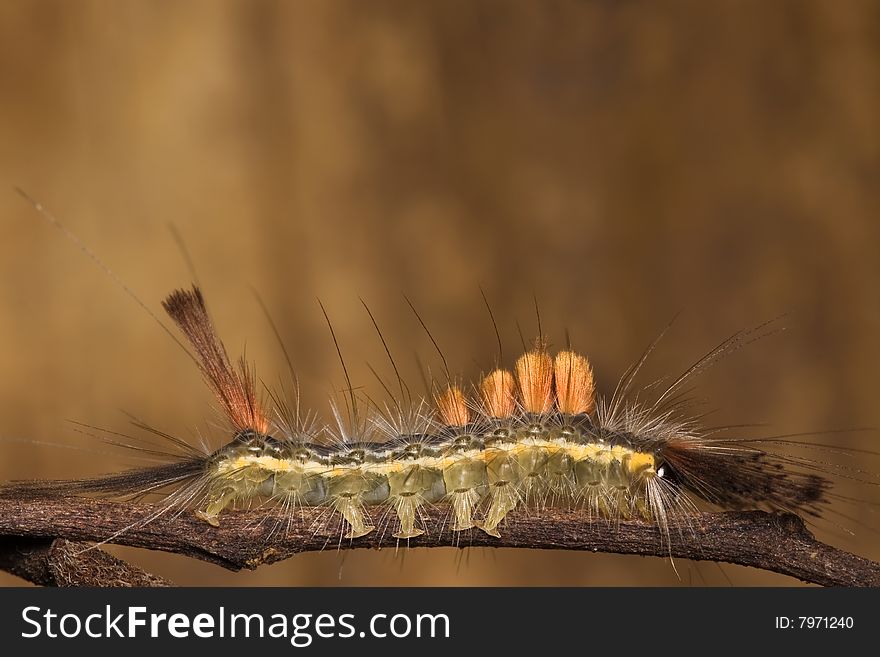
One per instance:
(536,436)
(530,438)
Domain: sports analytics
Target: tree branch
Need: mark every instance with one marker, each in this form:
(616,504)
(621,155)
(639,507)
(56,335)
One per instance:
(59,562)
(776,542)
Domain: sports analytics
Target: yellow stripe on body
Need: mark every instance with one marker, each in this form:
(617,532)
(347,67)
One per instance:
(634,461)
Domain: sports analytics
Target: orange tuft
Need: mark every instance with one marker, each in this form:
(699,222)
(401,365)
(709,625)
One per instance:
(452,406)
(575,392)
(534,370)
(498,393)
(234,389)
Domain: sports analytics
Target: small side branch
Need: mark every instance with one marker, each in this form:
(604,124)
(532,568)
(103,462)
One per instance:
(773,542)
(59,562)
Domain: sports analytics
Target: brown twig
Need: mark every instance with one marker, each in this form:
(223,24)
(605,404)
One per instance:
(59,562)
(778,543)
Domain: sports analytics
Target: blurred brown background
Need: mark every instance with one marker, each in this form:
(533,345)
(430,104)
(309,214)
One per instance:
(620,161)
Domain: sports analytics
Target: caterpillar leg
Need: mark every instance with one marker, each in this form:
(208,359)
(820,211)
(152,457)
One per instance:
(224,488)
(588,488)
(350,492)
(464,503)
(504,497)
(352,510)
(408,490)
(407,507)
(465,481)
(503,473)
(535,483)
(618,481)
(216,502)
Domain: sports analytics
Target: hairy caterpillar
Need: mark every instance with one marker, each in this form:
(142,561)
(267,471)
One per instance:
(534,437)
(516,441)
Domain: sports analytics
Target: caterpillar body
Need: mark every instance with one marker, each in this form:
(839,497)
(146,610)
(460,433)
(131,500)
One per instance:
(530,438)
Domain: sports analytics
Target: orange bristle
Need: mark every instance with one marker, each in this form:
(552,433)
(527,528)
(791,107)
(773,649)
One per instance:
(499,394)
(575,392)
(534,370)
(235,389)
(452,406)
